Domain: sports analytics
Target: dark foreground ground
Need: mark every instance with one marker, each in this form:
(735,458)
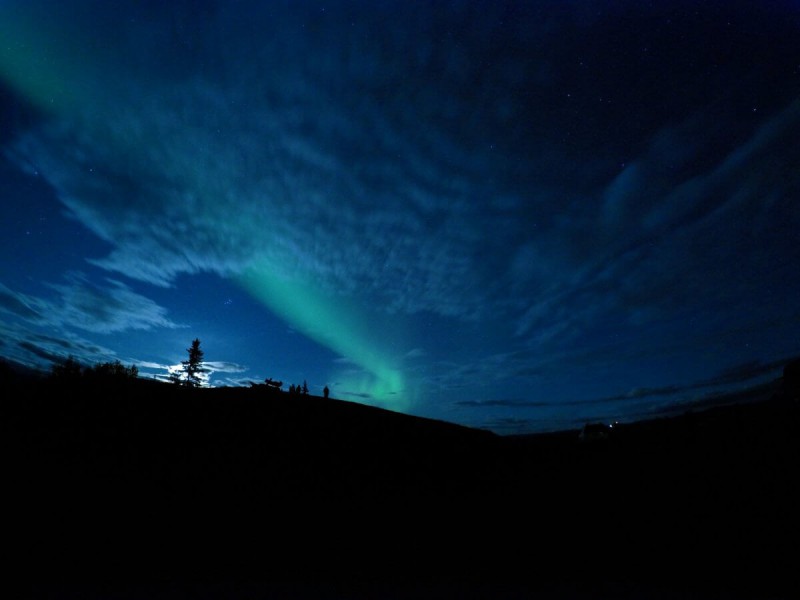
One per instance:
(150,491)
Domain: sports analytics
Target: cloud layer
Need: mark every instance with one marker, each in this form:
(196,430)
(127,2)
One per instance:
(545,186)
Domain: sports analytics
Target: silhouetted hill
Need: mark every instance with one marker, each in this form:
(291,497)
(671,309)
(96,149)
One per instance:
(137,479)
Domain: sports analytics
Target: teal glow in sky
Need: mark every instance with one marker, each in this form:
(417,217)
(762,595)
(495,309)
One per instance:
(346,330)
(513,215)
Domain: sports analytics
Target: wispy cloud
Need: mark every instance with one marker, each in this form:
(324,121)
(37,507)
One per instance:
(99,308)
(210,374)
(379,179)
(513,403)
(736,374)
(201,177)
(30,347)
(21,305)
(214,173)
(216,366)
(105,308)
(40,330)
(665,232)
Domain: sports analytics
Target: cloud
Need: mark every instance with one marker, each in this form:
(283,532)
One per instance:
(145,364)
(39,351)
(674,240)
(209,376)
(353,182)
(514,403)
(270,162)
(741,373)
(343,360)
(265,167)
(737,177)
(21,305)
(98,308)
(224,367)
(105,308)
(32,348)
(749,370)
(42,329)
(235,381)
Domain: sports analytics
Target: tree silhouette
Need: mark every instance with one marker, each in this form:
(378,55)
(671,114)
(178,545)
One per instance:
(68,369)
(112,370)
(191,368)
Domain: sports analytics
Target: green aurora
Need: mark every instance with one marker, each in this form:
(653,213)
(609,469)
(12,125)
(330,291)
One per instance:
(339,326)
(58,74)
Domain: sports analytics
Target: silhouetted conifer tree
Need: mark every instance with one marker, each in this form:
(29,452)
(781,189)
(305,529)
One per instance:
(192,368)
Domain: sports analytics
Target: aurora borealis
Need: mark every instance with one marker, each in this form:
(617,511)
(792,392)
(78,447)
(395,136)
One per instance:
(512,215)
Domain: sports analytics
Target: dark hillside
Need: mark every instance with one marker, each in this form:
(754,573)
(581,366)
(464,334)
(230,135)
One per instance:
(143,480)
(708,497)
(196,470)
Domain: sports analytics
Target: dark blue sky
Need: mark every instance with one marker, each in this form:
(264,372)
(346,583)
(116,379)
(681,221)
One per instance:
(512,215)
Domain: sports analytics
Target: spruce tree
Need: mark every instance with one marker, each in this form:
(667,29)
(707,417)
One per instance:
(193,367)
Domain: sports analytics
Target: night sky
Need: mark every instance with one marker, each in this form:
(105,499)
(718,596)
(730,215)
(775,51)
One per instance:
(520,216)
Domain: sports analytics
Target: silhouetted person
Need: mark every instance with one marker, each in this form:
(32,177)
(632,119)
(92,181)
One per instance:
(326,391)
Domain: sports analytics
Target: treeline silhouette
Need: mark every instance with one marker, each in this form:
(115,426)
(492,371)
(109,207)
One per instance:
(70,370)
(190,373)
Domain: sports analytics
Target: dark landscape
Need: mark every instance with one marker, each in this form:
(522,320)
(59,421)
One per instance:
(131,482)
